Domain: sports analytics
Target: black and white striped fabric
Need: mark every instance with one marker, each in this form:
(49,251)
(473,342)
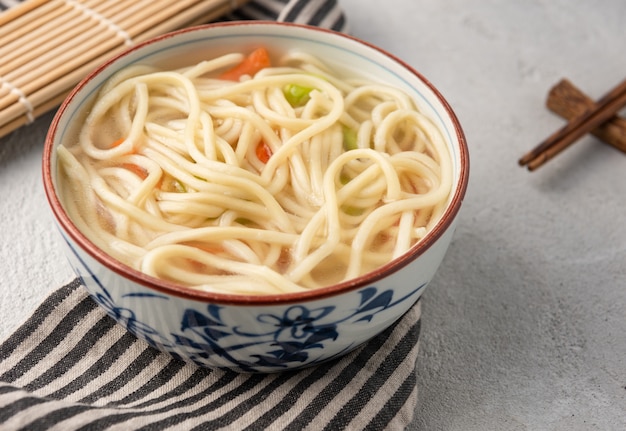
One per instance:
(6,4)
(71,367)
(321,13)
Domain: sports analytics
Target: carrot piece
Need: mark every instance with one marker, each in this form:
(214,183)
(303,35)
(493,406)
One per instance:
(196,266)
(255,61)
(263,152)
(204,246)
(135,169)
(118,142)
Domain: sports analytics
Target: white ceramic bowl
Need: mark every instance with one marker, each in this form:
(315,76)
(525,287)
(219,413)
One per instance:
(259,333)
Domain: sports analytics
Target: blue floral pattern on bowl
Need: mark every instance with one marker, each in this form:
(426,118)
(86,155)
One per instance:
(286,340)
(295,337)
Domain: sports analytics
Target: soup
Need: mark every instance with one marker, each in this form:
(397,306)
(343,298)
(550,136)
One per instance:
(254,173)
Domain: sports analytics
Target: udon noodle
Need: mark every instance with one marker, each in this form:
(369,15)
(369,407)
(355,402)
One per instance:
(288,180)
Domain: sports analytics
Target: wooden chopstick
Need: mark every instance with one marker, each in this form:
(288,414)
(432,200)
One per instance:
(568,101)
(47,46)
(603,110)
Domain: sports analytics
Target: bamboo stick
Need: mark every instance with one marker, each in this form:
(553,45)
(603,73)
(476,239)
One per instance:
(20,29)
(18,12)
(18,54)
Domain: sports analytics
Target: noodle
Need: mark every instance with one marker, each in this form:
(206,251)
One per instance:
(232,187)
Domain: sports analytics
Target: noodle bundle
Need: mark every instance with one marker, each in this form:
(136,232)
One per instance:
(281,179)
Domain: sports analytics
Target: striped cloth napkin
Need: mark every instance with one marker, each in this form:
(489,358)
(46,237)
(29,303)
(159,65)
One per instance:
(71,367)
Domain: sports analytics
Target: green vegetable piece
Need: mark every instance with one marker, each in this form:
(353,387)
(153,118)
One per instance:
(179,187)
(353,211)
(244,221)
(344,178)
(349,139)
(297,95)
(172,185)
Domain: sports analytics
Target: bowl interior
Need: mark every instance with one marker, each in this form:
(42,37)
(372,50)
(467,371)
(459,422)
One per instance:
(344,53)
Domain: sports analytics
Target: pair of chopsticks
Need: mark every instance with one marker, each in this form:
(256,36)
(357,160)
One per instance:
(596,115)
(48,46)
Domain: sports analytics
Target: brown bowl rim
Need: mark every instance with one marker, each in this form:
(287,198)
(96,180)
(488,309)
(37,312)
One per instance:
(174,289)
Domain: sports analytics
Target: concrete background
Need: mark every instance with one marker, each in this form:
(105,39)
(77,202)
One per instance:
(524,326)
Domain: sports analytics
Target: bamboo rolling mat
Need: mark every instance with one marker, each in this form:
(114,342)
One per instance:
(48,46)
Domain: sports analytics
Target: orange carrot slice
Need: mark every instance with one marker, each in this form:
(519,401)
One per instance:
(135,169)
(118,142)
(263,152)
(255,61)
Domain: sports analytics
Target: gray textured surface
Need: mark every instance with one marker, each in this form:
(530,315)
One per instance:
(525,324)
